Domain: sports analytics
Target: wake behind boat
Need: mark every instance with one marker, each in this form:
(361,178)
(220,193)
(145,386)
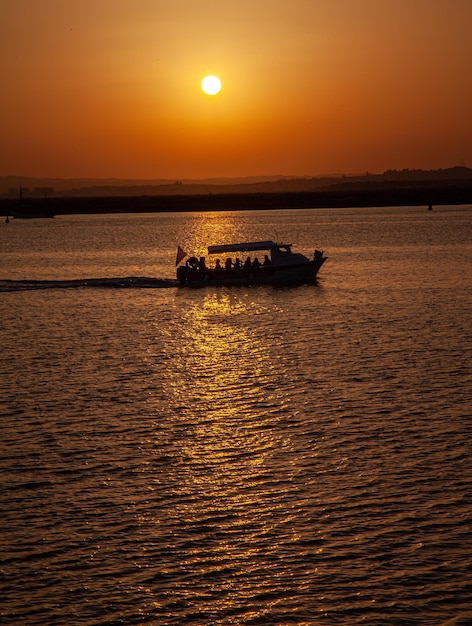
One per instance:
(279,265)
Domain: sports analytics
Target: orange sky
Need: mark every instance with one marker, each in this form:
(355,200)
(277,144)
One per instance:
(111,88)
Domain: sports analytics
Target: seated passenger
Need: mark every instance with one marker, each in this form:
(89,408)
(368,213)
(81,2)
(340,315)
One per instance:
(237,263)
(228,264)
(256,262)
(202,265)
(267,261)
(217,264)
(192,263)
(247,262)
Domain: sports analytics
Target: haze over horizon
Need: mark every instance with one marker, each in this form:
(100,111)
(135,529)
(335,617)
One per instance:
(112,89)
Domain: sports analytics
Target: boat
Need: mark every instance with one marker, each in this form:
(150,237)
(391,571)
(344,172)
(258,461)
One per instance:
(279,265)
(28,210)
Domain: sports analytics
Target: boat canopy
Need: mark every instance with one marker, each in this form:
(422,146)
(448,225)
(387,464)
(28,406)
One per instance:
(250,246)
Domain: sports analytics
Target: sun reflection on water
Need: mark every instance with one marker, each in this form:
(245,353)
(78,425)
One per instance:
(216,228)
(225,411)
(221,391)
(221,376)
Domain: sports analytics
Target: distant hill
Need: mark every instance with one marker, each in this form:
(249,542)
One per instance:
(77,187)
(96,188)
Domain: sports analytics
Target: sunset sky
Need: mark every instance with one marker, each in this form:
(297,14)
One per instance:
(111,88)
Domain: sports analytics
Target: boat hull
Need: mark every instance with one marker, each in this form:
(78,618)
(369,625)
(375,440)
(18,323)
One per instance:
(263,275)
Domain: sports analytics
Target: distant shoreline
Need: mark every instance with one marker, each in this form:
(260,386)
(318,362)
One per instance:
(340,198)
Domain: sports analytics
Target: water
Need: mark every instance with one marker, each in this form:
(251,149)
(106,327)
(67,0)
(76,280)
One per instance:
(234,456)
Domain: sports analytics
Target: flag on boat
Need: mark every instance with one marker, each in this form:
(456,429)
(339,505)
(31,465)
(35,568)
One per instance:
(181,254)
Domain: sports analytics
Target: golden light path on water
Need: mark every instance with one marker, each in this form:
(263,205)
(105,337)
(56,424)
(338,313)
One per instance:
(222,391)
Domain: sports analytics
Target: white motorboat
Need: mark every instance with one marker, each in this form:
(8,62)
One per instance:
(264,262)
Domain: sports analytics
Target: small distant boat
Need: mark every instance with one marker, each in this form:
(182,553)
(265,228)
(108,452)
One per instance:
(26,210)
(279,266)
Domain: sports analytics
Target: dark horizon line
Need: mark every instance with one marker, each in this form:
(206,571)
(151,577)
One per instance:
(347,197)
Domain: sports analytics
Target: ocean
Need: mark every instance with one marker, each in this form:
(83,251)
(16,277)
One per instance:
(235,456)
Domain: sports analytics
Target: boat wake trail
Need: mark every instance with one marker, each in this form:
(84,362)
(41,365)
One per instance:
(130,282)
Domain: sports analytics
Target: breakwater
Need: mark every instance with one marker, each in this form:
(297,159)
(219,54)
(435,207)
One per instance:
(366,197)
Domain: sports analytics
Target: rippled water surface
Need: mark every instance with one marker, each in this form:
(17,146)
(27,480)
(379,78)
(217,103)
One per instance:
(237,455)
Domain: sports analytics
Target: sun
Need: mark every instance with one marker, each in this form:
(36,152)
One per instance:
(211,85)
